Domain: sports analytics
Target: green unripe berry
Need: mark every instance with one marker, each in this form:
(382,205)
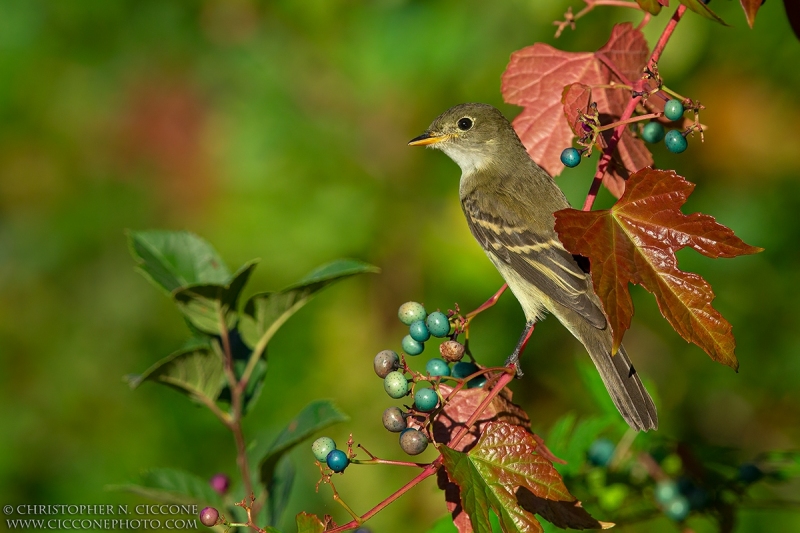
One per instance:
(337,461)
(675,141)
(653,132)
(677,508)
(673,109)
(395,384)
(413,441)
(322,447)
(437,367)
(419,331)
(412,347)
(410,312)
(438,324)
(425,400)
(393,420)
(666,491)
(385,362)
(571,157)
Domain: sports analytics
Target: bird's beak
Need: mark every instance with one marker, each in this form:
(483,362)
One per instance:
(427,138)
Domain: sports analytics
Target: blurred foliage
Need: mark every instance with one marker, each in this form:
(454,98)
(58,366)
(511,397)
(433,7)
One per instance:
(278,129)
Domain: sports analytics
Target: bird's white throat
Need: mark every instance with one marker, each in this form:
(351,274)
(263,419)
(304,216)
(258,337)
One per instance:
(468,160)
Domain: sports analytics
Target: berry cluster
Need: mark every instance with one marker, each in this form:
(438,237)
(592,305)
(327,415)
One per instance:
(675,140)
(400,381)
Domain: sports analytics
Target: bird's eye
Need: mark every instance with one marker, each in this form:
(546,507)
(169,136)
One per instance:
(464,124)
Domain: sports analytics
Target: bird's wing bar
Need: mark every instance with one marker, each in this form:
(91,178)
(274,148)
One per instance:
(539,258)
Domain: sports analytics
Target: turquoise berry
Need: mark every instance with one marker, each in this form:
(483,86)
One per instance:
(463,369)
(322,447)
(677,508)
(437,367)
(438,324)
(653,132)
(410,312)
(673,109)
(570,157)
(750,473)
(413,441)
(425,400)
(337,461)
(412,347)
(395,384)
(675,141)
(600,452)
(419,331)
(666,491)
(477,382)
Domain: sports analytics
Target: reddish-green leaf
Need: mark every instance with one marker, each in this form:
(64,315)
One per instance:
(310,523)
(751,8)
(635,242)
(700,8)
(504,474)
(536,78)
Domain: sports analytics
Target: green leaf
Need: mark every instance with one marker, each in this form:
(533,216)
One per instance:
(309,523)
(700,8)
(173,486)
(651,6)
(174,259)
(315,416)
(195,370)
(205,305)
(266,312)
(279,489)
(492,473)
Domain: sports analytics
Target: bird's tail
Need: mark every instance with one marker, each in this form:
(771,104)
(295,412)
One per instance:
(621,380)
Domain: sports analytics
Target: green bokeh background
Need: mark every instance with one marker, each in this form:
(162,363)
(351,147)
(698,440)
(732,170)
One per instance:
(278,130)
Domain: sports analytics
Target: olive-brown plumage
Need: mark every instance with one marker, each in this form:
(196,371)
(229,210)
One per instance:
(509,201)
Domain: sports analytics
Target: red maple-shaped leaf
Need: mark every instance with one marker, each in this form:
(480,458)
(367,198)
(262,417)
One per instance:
(635,242)
(536,78)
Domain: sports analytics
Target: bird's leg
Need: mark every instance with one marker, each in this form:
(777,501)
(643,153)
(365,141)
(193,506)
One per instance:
(523,341)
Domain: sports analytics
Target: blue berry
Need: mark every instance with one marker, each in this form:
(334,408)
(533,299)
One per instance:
(677,508)
(437,367)
(410,312)
(413,441)
(419,331)
(600,452)
(750,473)
(666,491)
(570,157)
(412,347)
(337,461)
(675,141)
(673,109)
(322,447)
(438,324)
(463,369)
(395,384)
(653,132)
(425,400)
(477,382)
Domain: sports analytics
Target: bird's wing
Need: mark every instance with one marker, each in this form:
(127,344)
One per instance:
(535,254)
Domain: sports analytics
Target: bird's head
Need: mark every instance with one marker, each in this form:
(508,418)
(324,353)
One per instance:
(473,135)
